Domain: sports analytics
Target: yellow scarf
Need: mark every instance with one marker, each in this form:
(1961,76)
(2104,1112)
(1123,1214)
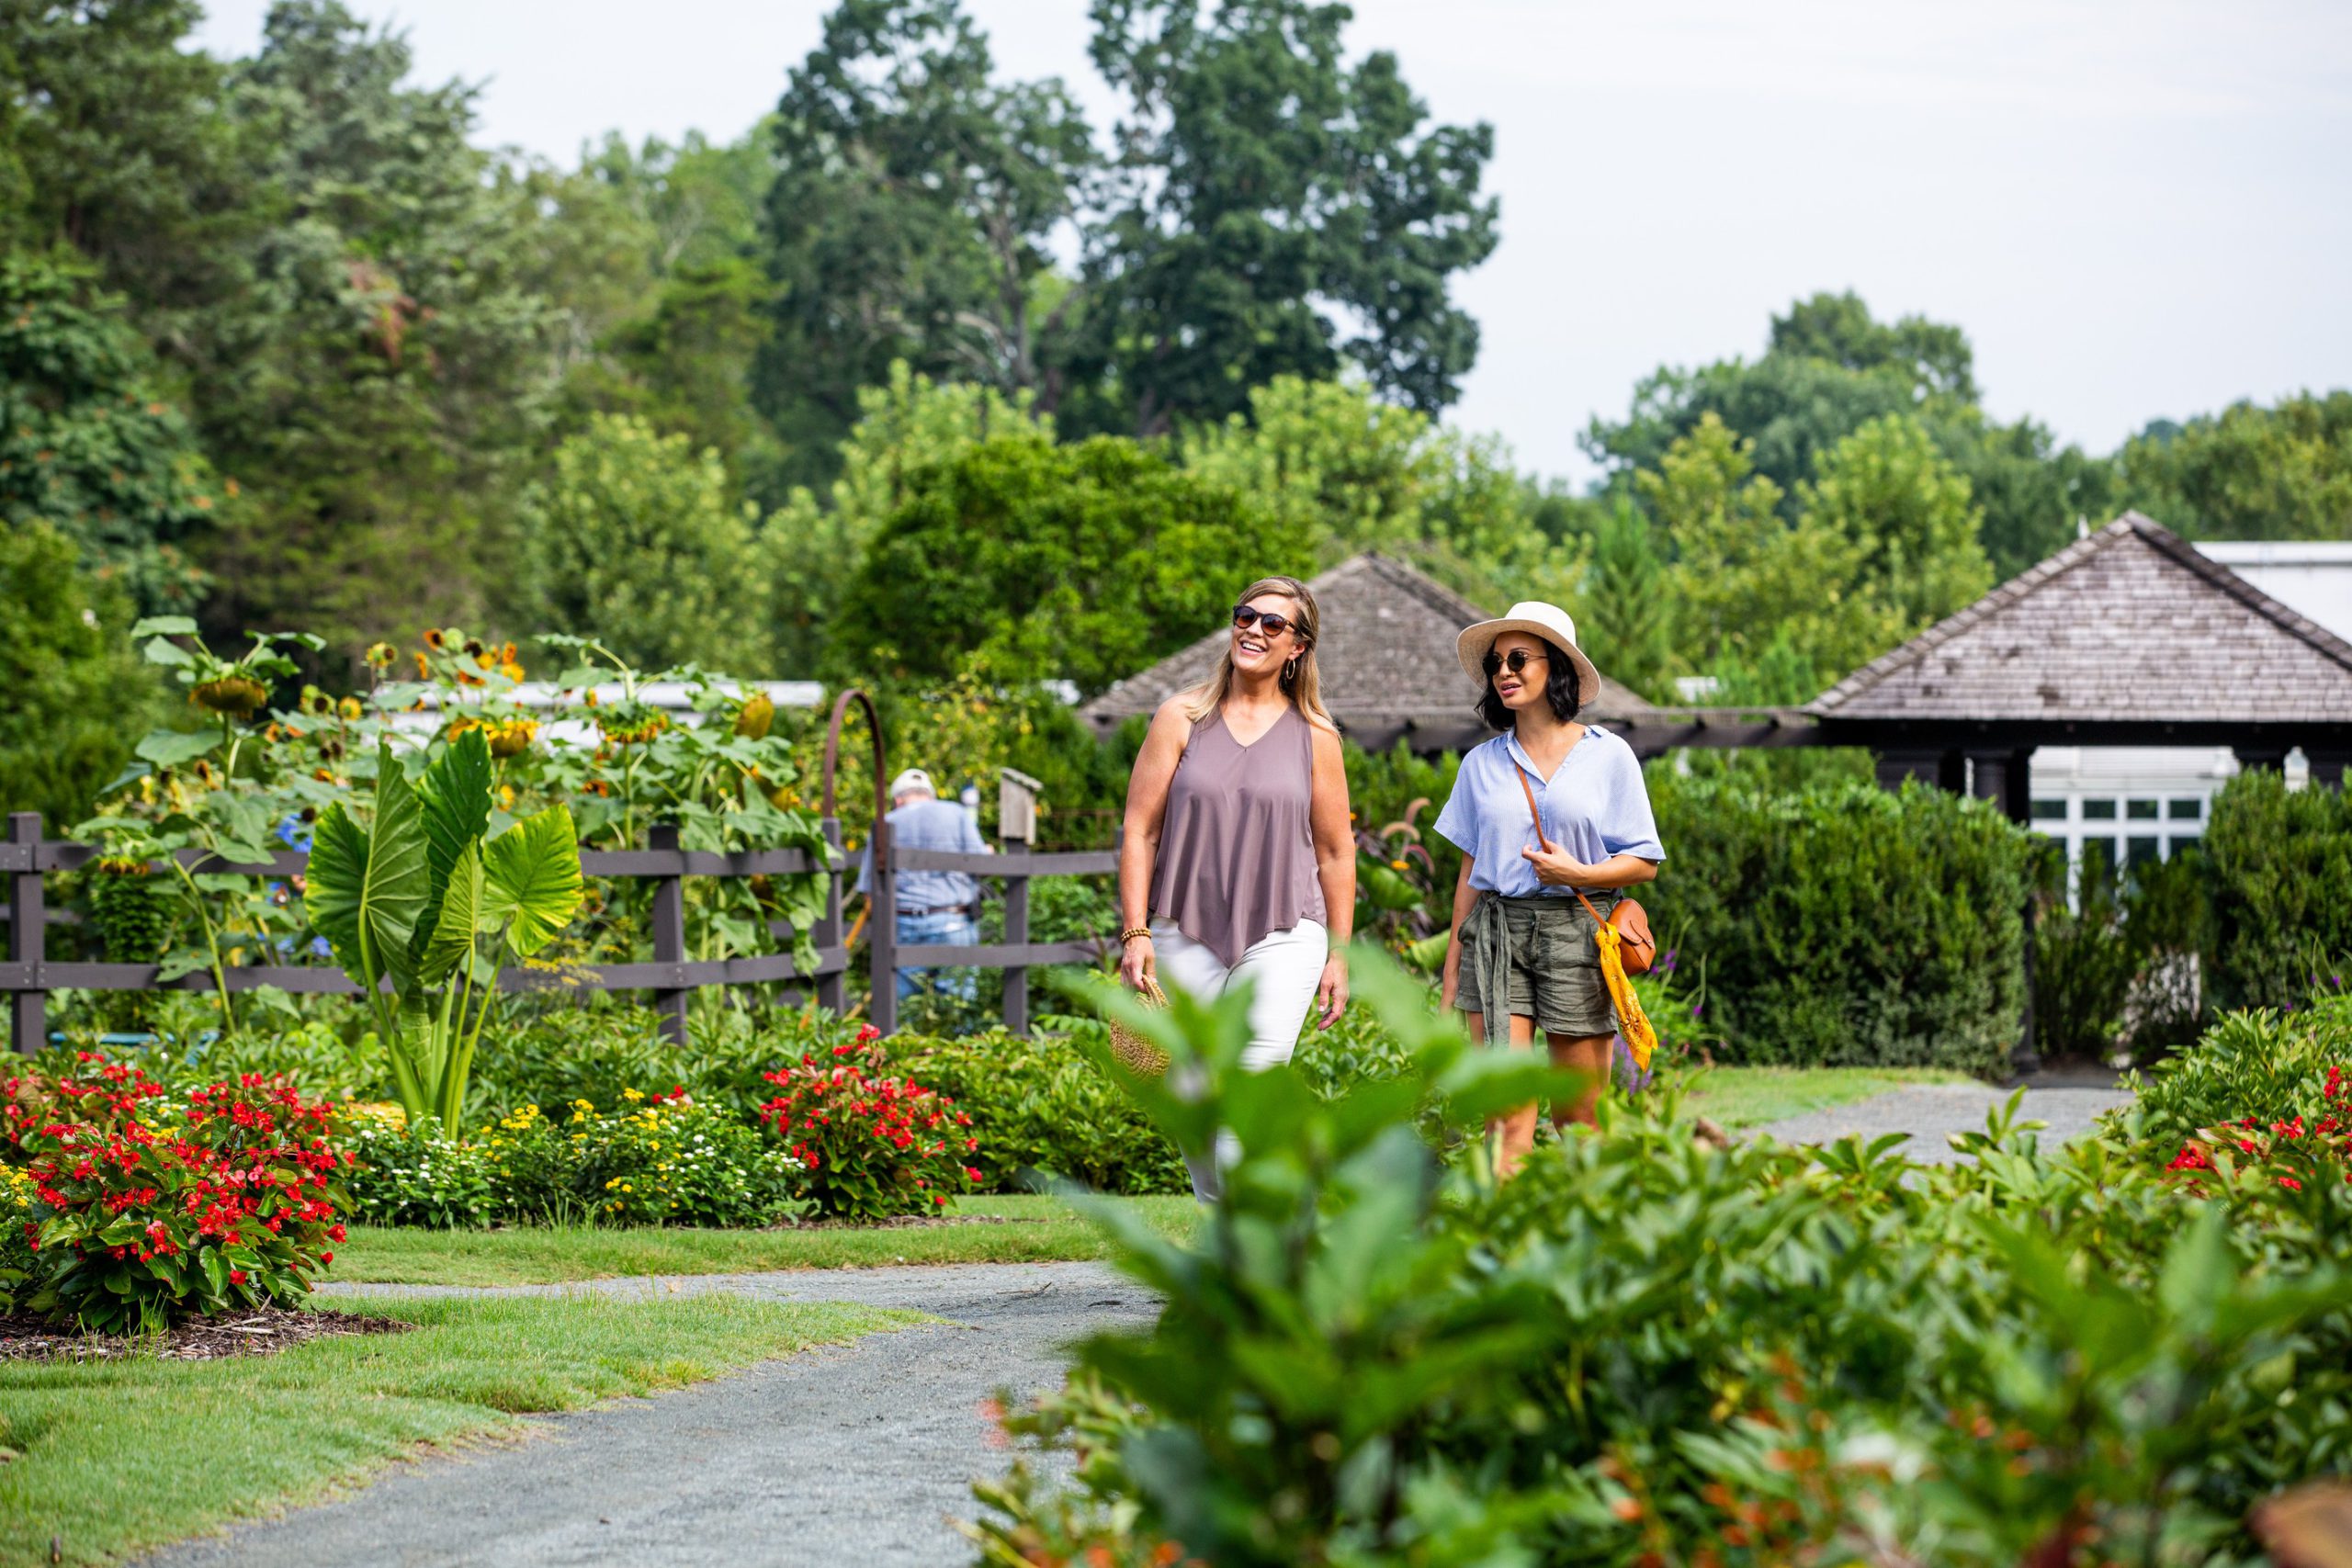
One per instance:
(1641,1040)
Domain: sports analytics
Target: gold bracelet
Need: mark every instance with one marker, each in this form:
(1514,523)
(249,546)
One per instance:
(1132,933)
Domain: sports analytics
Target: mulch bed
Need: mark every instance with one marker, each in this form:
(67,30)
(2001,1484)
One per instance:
(260,1332)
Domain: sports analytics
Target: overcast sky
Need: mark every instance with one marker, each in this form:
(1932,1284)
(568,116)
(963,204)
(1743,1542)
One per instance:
(2135,209)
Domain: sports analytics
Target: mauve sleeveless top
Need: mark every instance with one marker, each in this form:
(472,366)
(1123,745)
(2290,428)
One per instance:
(1237,859)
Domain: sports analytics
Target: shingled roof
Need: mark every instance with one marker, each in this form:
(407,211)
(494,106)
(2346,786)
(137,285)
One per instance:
(1387,661)
(2130,625)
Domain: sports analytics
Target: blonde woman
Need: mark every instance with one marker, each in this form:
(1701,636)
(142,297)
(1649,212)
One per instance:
(1237,863)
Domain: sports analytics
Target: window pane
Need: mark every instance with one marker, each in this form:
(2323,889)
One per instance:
(2050,811)
(2145,851)
(2099,810)
(2189,810)
(2142,810)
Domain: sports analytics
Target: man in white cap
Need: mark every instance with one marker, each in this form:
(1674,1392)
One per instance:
(935,908)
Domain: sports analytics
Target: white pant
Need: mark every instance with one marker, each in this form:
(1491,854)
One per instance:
(1284,967)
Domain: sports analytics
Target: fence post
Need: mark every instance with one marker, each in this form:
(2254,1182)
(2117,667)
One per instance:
(669,936)
(830,991)
(882,915)
(28,930)
(1016,934)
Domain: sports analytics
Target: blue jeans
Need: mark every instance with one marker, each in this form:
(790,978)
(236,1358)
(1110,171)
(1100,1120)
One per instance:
(933,930)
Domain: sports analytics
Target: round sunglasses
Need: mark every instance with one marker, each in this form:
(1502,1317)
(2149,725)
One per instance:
(1244,616)
(1515,661)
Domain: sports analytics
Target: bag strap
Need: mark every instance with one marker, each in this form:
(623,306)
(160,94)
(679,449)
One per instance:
(1528,790)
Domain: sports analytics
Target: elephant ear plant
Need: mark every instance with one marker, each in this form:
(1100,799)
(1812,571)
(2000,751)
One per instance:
(424,897)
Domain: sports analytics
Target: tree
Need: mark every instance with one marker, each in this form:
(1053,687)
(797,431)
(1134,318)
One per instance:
(2248,472)
(1882,544)
(1829,369)
(909,217)
(87,443)
(1838,329)
(637,541)
(1900,503)
(1263,186)
(77,695)
(1085,562)
(376,391)
(112,142)
(810,549)
(1625,615)
(651,256)
(1354,473)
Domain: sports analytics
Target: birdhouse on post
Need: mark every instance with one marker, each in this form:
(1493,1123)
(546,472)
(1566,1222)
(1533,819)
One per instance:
(1016,807)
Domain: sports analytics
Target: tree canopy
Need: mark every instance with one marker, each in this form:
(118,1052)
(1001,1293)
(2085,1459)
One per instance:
(282,342)
(1086,561)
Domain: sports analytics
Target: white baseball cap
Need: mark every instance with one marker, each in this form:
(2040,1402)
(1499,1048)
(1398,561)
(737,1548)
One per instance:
(911,781)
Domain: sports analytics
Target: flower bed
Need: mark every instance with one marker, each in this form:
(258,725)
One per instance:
(872,1145)
(653,1159)
(147,1207)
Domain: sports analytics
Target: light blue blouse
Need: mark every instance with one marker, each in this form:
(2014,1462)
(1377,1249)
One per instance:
(1594,806)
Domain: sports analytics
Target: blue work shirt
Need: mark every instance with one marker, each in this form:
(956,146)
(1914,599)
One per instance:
(931,824)
(1594,806)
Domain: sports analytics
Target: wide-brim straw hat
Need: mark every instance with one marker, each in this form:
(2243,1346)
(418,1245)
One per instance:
(1538,619)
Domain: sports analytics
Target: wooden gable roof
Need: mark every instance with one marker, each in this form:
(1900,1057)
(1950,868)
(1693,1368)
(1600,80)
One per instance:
(2129,627)
(1387,661)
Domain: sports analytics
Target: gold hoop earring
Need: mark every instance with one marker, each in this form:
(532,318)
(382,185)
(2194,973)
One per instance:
(1290,671)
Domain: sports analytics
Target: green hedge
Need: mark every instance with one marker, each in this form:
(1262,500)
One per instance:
(2281,865)
(1846,925)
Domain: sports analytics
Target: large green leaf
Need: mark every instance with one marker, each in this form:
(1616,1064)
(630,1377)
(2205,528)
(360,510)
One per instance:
(367,889)
(533,879)
(171,748)
(334,880)
(449,941)
(453,800)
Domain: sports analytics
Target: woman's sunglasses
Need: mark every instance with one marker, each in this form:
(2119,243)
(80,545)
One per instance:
(1273,624)
(1515,661)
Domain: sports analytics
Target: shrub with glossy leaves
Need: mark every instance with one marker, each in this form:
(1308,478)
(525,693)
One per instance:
(1649,1347)
(1845,925)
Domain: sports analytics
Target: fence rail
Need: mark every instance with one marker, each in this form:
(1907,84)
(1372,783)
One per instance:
(28,974)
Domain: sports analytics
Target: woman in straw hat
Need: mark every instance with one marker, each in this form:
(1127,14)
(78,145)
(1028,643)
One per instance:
(1522,955)
(1237,863)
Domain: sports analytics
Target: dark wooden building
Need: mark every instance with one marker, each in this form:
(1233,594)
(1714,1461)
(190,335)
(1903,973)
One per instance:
(2127,638)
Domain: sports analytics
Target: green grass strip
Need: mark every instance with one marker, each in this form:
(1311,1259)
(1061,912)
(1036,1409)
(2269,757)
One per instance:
(1047,1230)
(1749,1097)
(113,1458)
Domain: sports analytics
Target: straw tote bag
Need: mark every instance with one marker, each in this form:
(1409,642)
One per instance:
(1131,1050)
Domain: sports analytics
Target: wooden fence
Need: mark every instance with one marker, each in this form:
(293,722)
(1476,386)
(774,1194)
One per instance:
(27,859)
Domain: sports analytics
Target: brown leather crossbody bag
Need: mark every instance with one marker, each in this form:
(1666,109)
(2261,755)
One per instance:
(1637,950)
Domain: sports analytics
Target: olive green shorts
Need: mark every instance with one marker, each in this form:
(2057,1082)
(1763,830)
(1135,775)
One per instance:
(1555,968)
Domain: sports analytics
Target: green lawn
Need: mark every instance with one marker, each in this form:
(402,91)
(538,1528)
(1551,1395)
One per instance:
(1748,1097)
(112,1458)
(1046,1229)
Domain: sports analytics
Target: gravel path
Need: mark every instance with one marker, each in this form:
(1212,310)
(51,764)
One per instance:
(854,1455)
(1931,1112)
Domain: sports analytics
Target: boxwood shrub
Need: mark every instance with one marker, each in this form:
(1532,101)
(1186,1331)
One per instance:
(2281,860)
(1845,924)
